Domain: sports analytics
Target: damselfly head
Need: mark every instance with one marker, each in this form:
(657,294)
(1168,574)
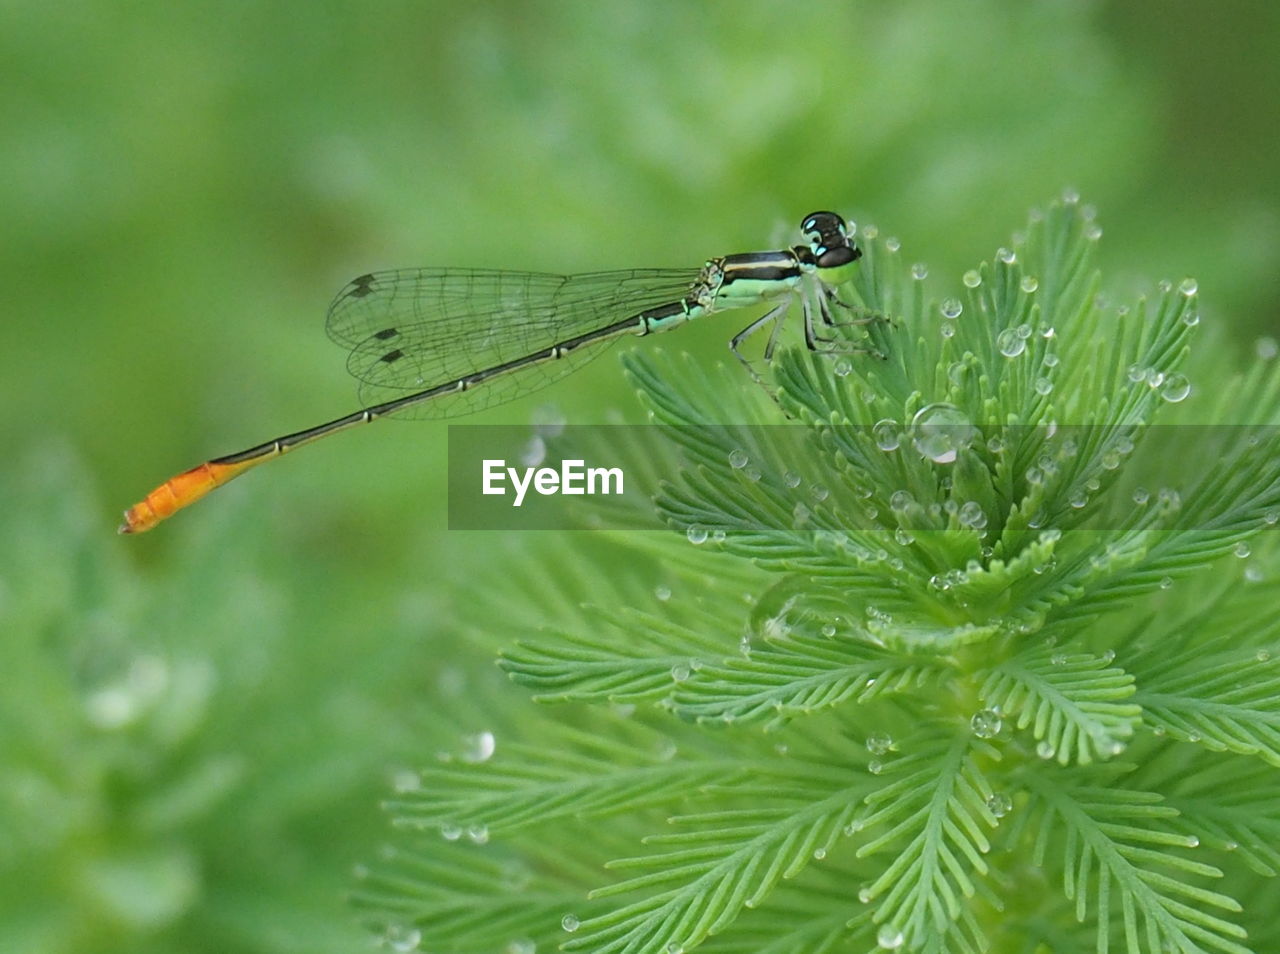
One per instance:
(829,240)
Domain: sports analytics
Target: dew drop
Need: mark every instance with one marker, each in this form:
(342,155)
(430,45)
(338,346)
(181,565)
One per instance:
(791,479)
(1006,255)
(940,431)
(1252,574)
(663,593)
(892,244)
(1093,232)
(479,747)
(951,308)
(1175,388)
(919,271)
(675,948)
(1058,659)
(986,723)
(403,939)
(1029,284)
(738,458)
(1241,549)
(879,744)
(885,433)
(450,831)
(971,278)
(1266,348)
(570,923)
(999,804)
(843,368)
(1262,655)
(679,673)
(696,534)
(1141,495)
(534,451)
(1045,750)
(1010,343)
(406,781)
(1188,287)
(478,834)
(1043,386)
(889,938)
(875,766)
(971,515)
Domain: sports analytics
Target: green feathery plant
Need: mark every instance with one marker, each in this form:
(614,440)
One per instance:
(976,665)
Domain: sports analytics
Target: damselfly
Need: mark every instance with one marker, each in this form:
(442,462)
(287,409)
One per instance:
(439,342)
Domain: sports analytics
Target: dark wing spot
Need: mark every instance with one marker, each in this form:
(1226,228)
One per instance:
(392,356)
(362,286)
(385,333)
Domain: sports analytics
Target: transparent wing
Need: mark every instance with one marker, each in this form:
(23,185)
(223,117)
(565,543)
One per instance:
(412,329)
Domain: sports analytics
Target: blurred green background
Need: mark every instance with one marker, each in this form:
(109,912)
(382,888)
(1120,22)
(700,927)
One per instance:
(196,725)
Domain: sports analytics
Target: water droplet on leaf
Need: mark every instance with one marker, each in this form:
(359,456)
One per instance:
(986,723)
(1010,343)
(940,431)
(885,433)
(999,804)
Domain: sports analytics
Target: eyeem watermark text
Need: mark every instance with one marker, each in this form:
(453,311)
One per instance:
(572,478)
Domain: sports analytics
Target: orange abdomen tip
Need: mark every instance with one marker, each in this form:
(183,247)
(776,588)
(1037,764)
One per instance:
(178,492)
